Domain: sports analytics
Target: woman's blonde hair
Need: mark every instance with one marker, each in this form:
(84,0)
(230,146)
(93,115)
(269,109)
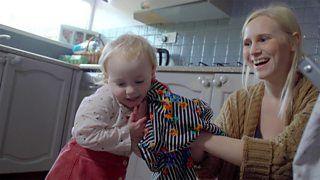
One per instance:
(288,23)
(129,46)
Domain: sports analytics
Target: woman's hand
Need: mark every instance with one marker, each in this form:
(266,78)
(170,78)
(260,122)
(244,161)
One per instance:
(197,147)
(136,125)
(207,166)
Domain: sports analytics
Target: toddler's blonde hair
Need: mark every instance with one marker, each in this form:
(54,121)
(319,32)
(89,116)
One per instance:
(129,46)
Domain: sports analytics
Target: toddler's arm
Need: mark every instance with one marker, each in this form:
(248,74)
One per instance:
(100,125)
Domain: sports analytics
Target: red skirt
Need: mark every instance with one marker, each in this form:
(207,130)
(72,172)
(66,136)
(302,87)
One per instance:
(77,163)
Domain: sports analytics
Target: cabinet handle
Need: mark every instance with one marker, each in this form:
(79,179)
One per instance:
(223,79)
(307,68)
(205,82)
(5,36)
(15,60)
(216,83)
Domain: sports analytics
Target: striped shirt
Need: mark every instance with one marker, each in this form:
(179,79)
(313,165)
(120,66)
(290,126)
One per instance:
(174,122)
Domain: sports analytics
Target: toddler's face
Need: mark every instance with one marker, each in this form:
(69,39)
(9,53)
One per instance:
(130,79)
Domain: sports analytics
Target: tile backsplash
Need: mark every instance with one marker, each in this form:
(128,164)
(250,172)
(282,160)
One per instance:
(218,42)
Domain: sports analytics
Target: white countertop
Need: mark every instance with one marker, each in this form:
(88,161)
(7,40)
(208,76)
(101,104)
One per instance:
(199,69)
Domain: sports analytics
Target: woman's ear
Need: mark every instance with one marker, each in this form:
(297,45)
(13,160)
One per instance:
(296,41)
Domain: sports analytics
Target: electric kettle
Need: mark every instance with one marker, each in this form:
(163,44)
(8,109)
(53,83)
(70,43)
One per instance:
(163,57)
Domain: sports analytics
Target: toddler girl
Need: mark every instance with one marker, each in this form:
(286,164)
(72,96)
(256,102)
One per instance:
(109,123)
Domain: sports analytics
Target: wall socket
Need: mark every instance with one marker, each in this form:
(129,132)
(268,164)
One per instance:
(169,37)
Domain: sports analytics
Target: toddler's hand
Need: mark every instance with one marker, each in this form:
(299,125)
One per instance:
(142,110)
(137,122)
(136,125)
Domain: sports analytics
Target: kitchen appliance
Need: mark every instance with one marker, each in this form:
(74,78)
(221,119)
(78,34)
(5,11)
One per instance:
(91,80)
(163,57)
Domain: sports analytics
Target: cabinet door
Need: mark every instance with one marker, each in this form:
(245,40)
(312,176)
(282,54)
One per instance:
(223,85)
(33,100)
(190,85)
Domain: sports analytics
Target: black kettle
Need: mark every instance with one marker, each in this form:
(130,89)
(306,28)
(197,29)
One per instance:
(161,54)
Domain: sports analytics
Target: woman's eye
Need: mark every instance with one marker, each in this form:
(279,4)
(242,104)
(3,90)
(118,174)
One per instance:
(246,44)
(264,38)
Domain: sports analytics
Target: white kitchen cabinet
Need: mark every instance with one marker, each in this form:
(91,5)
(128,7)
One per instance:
(190,85)
(37,105)
(213,88)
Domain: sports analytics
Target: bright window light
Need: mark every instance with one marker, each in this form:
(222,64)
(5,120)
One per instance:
(44,17)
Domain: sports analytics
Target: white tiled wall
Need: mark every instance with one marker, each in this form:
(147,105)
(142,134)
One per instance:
(218,41)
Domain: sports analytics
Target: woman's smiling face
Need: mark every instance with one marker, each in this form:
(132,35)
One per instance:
(266,48)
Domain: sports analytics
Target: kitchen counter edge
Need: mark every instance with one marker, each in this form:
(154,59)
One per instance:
(199,69)
(8,49)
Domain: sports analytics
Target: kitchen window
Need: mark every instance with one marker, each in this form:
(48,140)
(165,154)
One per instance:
(45,17)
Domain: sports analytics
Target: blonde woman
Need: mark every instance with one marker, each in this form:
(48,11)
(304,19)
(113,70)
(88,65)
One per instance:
(264,122)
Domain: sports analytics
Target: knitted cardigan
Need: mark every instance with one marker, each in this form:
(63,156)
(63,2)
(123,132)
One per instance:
(262,159)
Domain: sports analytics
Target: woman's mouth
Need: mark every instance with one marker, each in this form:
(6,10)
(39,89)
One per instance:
(260,61)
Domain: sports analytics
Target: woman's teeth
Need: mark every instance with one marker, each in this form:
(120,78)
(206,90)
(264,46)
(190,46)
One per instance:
(260,61)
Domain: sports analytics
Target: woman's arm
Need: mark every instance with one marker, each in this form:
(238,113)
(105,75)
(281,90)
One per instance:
(212,165)
(227,148)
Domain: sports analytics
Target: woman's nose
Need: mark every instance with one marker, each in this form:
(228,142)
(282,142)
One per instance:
(255,49)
